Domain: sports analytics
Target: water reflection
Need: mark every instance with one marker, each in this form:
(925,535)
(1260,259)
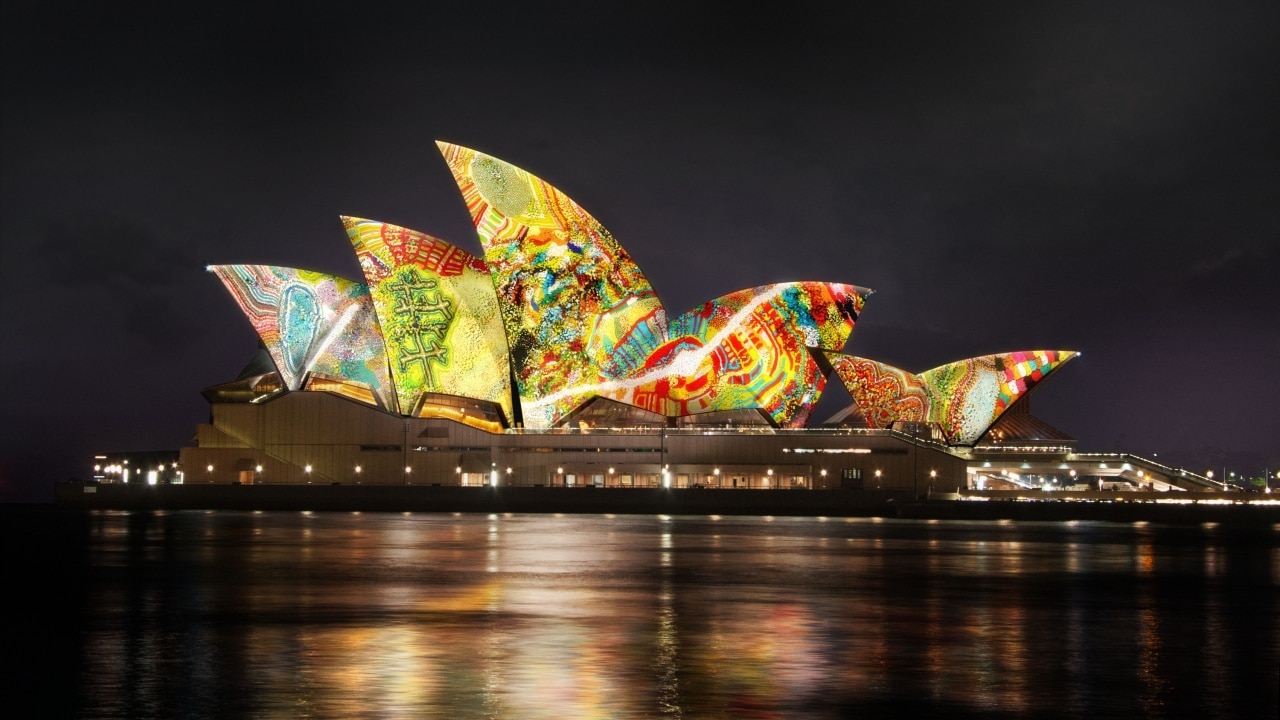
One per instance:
(387,615)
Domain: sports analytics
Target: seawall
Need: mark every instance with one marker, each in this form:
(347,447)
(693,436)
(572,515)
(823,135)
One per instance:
(648,501)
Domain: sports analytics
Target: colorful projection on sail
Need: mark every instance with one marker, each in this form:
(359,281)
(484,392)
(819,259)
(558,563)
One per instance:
(315,326)
(963,398)
(582,320)
(748,349)
(569,291)
(438,312)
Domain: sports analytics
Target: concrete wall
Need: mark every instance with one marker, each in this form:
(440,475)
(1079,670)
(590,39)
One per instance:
(333,436)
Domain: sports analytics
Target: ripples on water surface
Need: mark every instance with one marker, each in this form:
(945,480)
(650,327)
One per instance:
(196,614)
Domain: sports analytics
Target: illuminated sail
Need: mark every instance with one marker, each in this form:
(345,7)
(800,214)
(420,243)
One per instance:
(313,324)
(438,313)
(963,398)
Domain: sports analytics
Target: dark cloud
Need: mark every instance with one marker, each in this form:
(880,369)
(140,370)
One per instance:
(1239,285)
(127,285)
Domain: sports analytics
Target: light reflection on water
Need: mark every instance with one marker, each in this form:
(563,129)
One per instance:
(526,616)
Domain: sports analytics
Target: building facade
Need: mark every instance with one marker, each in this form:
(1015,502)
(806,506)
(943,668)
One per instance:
(549,360)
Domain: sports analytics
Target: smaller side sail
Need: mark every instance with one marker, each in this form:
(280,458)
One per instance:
(885,394)
(438,313)
(313,324)
(964,398)
(970,395)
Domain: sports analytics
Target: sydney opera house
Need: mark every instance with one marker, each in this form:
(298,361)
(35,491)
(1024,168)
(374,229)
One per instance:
(548,359)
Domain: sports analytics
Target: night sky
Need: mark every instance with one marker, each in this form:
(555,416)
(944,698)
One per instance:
(1102,177)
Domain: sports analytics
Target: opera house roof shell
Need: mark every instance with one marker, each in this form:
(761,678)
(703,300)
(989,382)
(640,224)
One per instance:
(554,317)
(963,399)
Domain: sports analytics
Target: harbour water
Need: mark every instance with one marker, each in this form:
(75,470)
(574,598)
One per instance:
(290,614)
